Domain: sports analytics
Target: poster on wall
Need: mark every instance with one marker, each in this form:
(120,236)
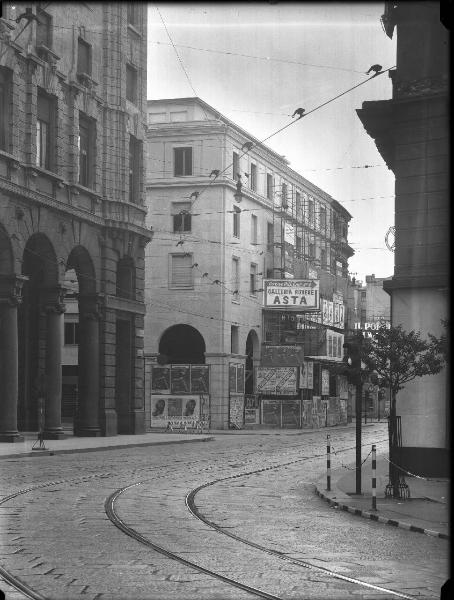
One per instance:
(200,380)
(240,379)
(330,312)
(282,356)
(236,410)
(325,382)
(180,379)
(232,378)
(276,380)
(310,375)
(165,408)
(160,379)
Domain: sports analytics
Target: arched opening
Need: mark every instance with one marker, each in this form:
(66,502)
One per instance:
(40,266)
(80,365)
(182,344)
(251,350)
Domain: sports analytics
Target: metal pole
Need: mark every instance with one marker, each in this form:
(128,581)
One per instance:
(358,403)
(374,478)
(328,464)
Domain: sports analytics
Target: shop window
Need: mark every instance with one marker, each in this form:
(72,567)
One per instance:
(181,272)
(131,84)
(5,108)
(182,164)
(181,213)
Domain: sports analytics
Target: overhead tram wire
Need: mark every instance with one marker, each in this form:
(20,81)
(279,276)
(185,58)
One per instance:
(296,121)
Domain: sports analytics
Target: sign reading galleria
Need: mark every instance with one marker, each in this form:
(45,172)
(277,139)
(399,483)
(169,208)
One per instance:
(292,294)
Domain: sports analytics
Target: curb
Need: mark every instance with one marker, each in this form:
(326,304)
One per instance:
(373,517)
(101,448)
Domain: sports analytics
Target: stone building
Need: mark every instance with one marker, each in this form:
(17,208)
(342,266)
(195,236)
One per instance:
(411,132)
(228,213)
(72,99)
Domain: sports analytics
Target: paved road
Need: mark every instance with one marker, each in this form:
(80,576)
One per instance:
(59,540)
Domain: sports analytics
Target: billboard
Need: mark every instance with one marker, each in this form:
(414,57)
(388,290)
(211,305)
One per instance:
(276,380)
(302,295)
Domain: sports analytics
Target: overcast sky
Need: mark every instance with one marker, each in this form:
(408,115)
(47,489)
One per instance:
(257,62)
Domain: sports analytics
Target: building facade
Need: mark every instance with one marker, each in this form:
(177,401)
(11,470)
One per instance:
(72,102)
(411,132)
(368,304)
(228,214)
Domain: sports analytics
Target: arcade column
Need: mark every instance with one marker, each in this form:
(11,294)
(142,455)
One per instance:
(10,298)
(53,305)
(87,424)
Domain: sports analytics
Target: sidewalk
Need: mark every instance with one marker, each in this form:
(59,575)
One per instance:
(426,511)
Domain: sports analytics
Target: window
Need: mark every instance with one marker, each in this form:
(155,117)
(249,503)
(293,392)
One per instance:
(235,165)
(83,57)
(182,161)
(322,218)
(363,296)
(270,235)
(87,132)
(298,206)
(181,270)
(131,84)
(299,245)
(311,211)
(126,278)
(181,212)
(339,268)
(5,107)
(284,196)
(44,131)
(253,280)
(135,168)
(132,14)
(234,338)
(253,177)
(71,334)
(236,224)
(311,250)
(323,257)
(269,186)
(253,229)
(235,278)
(43,32)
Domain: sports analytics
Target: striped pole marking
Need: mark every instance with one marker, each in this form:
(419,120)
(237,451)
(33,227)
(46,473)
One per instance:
(374,477)
(328,464)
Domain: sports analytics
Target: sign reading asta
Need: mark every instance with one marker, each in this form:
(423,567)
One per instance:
(291,294)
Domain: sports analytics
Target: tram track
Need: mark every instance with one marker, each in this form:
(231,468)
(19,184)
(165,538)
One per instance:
(109,506)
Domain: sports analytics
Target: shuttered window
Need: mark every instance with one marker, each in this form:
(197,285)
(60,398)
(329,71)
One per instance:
(181,271)
(182,161)
(181,212)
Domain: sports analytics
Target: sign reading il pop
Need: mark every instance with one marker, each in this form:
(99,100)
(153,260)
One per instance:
(292,294)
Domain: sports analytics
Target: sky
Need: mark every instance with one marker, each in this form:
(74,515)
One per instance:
(257,62)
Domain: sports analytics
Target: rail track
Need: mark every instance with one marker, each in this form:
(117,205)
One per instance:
(110,509)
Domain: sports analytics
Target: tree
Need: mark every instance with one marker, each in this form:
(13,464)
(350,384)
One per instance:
(397,357)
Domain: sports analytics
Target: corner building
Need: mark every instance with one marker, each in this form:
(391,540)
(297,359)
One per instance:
(225,218)
(72,95)
(411,132)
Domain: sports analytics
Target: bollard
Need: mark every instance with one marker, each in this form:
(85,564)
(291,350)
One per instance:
(374,478)
(328,464)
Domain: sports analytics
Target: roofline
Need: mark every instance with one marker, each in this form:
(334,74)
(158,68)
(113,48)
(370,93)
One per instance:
(204,104)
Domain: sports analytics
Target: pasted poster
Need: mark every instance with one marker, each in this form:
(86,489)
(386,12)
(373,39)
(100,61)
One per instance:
(310,375)
(240,379)
(160,379)
(165,408)
(330,312)
(282,356)
(303,375)
(276,380)
(200,379)
(180,379)
(236,409)
(325,382)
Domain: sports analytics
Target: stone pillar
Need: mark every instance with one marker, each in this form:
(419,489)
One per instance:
(87,424)
(54,309)
(10,297)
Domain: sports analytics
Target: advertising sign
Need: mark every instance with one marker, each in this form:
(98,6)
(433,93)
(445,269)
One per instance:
(291,294)
(325,382)
(276,380)
(180,379)
(165,408)
(200,379)
(160,379)
(282,356)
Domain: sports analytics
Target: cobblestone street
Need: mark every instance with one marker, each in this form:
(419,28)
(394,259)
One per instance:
(58,540)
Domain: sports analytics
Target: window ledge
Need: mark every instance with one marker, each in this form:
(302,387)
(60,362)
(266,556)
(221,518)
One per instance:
(78,188)
(35,170)
(86,80)
(15,162)
(46,53)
